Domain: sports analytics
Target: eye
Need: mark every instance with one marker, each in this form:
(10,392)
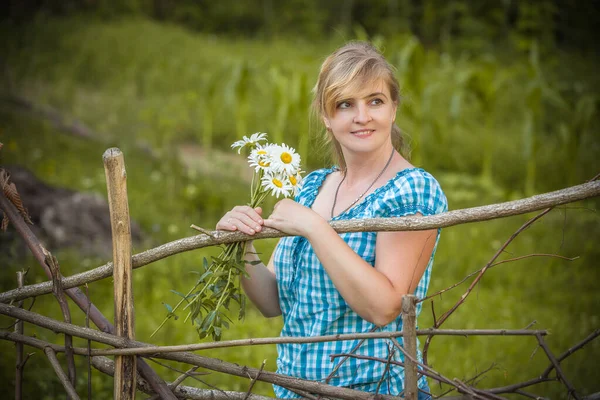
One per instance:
(376,101)
(343,105)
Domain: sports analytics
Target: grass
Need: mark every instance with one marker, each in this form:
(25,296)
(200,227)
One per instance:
(142,84)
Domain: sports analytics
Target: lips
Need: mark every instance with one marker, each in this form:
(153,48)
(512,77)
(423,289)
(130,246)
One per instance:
(363,132)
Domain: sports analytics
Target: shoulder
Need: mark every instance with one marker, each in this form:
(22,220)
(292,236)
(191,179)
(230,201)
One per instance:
(414,190)
(310,184)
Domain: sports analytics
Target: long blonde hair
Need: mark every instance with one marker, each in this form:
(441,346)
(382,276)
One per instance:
(345,71)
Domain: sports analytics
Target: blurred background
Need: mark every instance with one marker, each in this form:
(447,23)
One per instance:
(500,102)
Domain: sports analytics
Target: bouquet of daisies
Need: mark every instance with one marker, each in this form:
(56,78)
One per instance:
(276,172)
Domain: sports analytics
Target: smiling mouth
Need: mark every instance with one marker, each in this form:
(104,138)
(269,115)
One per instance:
(363,132)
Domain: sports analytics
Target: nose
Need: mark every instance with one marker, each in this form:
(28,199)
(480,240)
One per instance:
(362,115)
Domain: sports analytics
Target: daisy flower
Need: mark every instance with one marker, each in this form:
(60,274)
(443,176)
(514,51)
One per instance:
(260,157)
(251,141)
(285,159)
(295,181)
(277,185)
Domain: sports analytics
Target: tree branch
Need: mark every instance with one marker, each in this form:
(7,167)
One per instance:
(559,371)
(189,358)
(413,223)
(71,393)
(19,346)
(52,264)
(75,293)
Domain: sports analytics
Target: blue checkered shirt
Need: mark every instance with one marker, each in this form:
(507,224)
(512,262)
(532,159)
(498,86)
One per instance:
(311,305)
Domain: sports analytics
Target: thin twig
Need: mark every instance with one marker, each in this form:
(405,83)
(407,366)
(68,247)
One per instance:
(88,356)
(189,358)
(205,231)
(391,352)
(313,339)
(253,381)
(72,394)
(471,381)
(106,365)
(352,351)
(493,265)
(52,264)
(19,346)
(462,299)
(559,371)
(75,293)
(177,381)
(412,223)
(572,350)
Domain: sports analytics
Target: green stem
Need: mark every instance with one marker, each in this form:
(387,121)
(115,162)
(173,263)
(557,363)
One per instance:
(175,309)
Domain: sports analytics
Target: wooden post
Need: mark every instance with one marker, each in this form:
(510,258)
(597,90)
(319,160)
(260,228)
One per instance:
(409,327)
(19,346)
(116,181)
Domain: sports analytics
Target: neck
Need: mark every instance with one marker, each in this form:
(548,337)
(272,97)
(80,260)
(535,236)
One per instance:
(365,166)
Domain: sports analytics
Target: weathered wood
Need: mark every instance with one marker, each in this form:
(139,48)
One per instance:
(190,358)
(76,294)
(19,346)
(116,182)
(447,219)
(409,327)
(71,393)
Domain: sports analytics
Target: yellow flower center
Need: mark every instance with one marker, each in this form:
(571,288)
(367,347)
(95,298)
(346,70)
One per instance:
(261,152)
(264,164)
(293,180)
(277,183)
(286,157)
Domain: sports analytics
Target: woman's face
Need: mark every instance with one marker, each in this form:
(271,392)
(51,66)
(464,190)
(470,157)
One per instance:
(362,121)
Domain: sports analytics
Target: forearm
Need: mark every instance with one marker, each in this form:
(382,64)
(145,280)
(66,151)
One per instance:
(367,291)
(261,285)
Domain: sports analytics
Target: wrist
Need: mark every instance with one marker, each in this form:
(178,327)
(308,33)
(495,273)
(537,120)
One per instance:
(316,225)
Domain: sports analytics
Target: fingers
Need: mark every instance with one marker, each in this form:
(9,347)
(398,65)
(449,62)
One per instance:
(242,218)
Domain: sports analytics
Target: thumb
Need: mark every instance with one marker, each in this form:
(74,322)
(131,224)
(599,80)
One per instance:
(258,210)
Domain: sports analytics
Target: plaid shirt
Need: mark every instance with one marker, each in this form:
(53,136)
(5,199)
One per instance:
(312,306)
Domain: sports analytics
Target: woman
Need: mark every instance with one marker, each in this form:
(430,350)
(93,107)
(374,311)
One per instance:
(324,283)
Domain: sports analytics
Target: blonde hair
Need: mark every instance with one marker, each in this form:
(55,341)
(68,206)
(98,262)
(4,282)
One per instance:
(345,71)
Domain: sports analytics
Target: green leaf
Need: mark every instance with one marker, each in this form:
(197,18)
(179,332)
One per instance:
(181,294)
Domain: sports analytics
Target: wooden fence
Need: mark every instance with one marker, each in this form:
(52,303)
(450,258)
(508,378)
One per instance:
(128,353)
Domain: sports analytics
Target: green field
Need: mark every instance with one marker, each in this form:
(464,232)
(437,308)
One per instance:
(490,127)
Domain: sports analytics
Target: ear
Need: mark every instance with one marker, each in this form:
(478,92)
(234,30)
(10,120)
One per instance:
(326,122)
(394,112)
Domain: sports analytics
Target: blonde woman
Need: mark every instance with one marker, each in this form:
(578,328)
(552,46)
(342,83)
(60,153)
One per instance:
(326,283)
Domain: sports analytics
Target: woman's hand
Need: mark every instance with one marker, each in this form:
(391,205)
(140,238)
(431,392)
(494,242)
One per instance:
(242,218)
(293,218)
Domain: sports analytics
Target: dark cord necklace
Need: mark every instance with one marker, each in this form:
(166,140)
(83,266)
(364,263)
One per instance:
(387,164)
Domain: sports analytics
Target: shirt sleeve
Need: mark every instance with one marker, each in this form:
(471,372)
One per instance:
(417,192)
(307,186)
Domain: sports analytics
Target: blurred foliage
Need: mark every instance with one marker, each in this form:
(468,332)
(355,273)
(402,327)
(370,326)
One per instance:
(467,24)
(500,100)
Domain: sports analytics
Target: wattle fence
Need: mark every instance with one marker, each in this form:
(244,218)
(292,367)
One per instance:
(129,354)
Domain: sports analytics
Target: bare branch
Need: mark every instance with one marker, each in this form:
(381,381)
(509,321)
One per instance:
(556,364)
(493,265)
(253,381)
(72,394)
(106,366)
(54,268)
(413,223)
(19,346)
(75,293)
(517,386)
(189,358)
(312,339)
(573,349)
(462,299)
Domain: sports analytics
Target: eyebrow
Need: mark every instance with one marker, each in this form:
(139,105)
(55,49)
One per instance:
(375,94)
